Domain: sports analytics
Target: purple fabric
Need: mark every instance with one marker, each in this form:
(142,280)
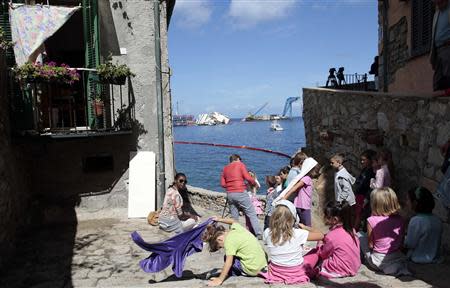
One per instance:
(236,269)
(305,216)
(173,251)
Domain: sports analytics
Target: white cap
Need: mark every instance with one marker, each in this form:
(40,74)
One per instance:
(307,166)
(291,208)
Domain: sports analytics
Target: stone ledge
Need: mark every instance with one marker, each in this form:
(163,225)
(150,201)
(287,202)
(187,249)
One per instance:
(212,200)
(406,96)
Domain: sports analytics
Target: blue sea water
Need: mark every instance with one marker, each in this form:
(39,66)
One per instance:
(203,164)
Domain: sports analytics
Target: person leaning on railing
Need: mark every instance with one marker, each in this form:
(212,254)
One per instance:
(440,45)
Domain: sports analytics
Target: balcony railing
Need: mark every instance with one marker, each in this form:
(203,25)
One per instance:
(357,82)
(87,107)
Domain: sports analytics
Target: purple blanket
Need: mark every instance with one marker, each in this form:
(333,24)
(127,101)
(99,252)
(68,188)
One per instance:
(173,251)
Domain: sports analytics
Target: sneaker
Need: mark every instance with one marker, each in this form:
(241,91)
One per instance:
(213,273)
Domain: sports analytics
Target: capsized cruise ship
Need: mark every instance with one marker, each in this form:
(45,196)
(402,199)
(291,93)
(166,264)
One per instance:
(213,118)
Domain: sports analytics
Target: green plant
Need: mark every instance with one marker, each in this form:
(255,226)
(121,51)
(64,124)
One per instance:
(113,73)
(4,44)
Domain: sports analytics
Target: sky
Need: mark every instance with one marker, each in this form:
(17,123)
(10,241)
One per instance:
(232,56)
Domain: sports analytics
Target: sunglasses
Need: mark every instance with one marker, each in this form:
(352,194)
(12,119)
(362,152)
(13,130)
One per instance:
(182,181)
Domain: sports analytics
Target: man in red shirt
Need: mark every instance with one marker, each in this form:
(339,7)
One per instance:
(233,180)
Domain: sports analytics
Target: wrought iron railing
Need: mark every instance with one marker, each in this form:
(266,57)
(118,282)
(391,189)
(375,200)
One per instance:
(358,82)
(85,107)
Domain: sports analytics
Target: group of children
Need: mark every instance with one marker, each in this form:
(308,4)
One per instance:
(363,219)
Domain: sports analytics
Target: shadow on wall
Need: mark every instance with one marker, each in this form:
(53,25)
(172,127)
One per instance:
(43,255)
(63,171)
(325,187)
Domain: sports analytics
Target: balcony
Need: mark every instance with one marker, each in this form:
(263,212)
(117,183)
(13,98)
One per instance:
(85,108)
(354,82)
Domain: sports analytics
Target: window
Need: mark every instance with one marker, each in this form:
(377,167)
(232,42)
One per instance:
(421,26)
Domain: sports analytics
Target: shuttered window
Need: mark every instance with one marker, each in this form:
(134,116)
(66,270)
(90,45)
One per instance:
(92,56)
(421,22)
(4,23)
(21,101)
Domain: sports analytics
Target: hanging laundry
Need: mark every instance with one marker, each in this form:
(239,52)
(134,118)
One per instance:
(31,25)
(173,251)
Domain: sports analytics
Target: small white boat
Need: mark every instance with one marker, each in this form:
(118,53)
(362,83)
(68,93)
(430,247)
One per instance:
(275,126)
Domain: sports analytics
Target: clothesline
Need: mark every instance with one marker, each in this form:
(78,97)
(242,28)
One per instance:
(12,7)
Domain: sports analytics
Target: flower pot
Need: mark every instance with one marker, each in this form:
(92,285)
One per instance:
(98,108)
(119,80)
(113,80)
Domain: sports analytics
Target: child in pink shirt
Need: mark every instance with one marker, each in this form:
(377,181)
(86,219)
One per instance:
(385,231)
(340,250)
(303,190)
(383,167)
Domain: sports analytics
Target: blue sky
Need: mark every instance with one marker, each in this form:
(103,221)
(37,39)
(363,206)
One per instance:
(232,56)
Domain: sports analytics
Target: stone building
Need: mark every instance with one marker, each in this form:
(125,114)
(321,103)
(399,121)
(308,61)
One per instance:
(58,150)
(404,45)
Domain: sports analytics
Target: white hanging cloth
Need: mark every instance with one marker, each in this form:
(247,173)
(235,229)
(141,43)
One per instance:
(31,25)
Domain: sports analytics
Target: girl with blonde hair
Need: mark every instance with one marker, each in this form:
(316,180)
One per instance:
(385,231)
(285,239)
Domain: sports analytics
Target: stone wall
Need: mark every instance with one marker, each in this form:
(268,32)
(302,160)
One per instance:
(211,200)
(398,52)
(412,127)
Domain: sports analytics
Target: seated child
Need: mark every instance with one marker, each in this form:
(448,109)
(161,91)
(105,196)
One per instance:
(385,230)
(244,254)
(285,247)
(340,250)
(423,238)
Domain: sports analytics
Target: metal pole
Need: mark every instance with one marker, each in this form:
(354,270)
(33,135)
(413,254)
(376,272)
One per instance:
(161,188)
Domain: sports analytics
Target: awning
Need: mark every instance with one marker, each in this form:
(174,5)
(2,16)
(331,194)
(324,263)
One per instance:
(31,25)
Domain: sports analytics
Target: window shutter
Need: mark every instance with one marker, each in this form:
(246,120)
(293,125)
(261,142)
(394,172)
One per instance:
(421,26)
(21,101)
(4,23)
(92,55)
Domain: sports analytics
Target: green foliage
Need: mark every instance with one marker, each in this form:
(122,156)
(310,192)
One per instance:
(4,44)
(111,73)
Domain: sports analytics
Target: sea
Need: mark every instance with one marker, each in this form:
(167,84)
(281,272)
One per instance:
(203,164)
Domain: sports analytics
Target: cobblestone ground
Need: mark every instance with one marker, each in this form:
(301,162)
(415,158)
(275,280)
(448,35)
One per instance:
(102,254)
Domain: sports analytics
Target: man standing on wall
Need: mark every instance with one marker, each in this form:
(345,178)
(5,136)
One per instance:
(233,180)
(440,45)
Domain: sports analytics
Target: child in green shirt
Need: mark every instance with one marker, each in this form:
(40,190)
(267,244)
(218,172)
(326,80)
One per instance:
(243,253)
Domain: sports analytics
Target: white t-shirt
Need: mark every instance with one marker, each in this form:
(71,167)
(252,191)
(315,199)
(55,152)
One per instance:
(291,252)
